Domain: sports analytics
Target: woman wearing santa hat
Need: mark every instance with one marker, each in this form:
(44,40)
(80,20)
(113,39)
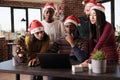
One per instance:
(35,41)
(53,27)
(102,34)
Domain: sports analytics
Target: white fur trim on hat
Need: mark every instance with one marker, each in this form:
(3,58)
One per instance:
(20,55)
(72,21)
(98,8)
(88,5)
(37,30)
(47,8)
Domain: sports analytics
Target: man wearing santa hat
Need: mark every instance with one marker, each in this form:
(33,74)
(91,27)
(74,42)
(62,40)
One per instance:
(72,43)
(84,28)
(35,41)
(54,28)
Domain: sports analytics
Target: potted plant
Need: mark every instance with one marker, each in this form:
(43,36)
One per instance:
(99,62)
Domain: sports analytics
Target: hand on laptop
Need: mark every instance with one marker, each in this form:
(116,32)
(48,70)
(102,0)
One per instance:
(33,62)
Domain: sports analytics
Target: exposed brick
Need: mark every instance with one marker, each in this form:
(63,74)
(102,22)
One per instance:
(73,7)
(21,4)
(69,6)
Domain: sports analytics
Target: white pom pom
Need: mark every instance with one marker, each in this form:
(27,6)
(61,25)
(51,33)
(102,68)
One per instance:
(20,55)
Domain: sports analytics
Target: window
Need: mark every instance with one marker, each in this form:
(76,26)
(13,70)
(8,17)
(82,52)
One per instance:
(19,25)
(109,11)
(107,6)
(14,19)
(23,18)
(34,14)
(5,19)
(117,15)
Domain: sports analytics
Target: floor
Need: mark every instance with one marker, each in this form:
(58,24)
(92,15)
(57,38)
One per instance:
(7,76)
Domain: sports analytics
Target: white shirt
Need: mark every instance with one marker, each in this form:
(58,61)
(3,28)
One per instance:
(55,29)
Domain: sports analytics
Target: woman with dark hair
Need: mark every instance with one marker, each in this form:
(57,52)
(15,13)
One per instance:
(102,35)
(96,29)
(35,41)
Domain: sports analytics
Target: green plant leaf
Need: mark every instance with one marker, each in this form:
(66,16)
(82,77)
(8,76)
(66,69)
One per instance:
(99,55)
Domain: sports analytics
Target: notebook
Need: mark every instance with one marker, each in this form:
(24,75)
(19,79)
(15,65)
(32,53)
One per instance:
(55,60)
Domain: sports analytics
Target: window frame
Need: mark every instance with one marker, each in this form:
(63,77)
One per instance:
(26,9)
(112,10)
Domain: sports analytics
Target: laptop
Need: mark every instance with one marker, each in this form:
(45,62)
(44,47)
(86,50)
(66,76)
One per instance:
(55,61)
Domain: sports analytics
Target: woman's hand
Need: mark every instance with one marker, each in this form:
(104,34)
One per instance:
(33,62)
(84,64)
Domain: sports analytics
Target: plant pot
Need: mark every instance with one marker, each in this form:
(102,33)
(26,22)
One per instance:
(99,66)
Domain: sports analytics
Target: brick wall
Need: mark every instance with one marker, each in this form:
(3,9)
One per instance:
(69,6)
(21,4)
(73,7)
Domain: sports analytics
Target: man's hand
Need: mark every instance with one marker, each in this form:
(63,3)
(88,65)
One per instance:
(69,39)
(33,62)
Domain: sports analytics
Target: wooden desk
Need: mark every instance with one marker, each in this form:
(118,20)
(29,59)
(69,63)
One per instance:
(113,72)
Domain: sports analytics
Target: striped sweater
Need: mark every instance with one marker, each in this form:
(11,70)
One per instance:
(80,51)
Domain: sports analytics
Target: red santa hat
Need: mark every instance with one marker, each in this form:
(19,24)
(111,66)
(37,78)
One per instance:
(85,1)
(89,3)
(35,26)
(49,5)
(99,7)
(72,19)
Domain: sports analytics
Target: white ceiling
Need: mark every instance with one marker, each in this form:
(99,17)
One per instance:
(39,1)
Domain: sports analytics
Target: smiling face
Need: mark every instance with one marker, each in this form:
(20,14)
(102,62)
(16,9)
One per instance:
(48,14)
(92,16)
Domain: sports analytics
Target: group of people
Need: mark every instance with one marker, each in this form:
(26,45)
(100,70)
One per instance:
(79,37)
